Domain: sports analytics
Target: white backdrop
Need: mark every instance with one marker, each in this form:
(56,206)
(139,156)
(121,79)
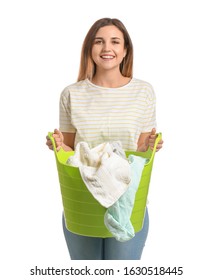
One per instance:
(39,56)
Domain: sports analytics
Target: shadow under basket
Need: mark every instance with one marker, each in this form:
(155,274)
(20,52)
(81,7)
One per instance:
(84,215)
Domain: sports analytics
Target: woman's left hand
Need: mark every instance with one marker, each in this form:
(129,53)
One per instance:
(151,141)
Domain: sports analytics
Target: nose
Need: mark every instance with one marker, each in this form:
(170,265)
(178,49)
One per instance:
(106,47)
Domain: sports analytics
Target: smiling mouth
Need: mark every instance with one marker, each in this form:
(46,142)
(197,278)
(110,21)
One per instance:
(107,56)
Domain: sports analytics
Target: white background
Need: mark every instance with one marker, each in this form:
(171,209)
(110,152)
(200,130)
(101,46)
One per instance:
(40,52)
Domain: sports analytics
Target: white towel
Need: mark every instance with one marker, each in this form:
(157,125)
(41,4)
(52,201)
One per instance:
(106,174)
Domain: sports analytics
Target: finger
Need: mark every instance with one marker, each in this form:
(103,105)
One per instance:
(160,145)
(49,144)
(152,136)
(58,148)
(58,142)
(57,139)
(50,147)
(153,132)
(152,139)
(58,132)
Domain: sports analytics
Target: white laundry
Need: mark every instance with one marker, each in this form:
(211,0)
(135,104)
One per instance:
(106,174)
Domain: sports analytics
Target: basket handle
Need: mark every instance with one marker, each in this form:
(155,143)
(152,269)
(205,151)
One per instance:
(157,140)
(50,135)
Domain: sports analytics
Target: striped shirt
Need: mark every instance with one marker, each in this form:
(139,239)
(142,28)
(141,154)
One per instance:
(99,114)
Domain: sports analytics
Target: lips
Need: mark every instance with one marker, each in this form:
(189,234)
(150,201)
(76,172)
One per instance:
(107,56)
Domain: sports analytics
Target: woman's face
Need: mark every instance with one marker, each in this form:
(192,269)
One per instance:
(108,48)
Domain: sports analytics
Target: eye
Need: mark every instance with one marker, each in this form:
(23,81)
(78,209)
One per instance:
(98,42)
(115,42)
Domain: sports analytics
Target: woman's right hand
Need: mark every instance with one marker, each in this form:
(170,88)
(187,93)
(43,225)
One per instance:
(59,139)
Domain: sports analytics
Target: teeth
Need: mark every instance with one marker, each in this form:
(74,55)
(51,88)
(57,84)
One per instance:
(107,56)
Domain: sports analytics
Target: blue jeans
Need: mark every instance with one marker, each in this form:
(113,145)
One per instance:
(95,248)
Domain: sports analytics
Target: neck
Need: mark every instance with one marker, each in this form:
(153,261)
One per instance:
(110,80)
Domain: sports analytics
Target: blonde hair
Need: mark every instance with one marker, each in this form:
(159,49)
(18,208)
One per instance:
(87,66)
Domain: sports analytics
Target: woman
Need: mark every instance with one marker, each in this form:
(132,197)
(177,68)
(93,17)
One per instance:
(107,104)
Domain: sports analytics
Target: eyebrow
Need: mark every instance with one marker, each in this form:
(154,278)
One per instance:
(111,38)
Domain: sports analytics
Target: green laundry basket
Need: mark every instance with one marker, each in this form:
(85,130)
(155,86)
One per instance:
(84,215)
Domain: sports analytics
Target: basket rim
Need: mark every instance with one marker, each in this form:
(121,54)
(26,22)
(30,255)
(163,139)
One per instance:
(148,154)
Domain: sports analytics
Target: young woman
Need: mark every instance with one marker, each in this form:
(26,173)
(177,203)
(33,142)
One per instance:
(107,104)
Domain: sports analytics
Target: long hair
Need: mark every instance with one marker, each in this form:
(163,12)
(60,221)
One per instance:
(87,66)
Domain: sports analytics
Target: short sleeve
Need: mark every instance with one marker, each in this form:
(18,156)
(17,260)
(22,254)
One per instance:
(65,116)
(150,111)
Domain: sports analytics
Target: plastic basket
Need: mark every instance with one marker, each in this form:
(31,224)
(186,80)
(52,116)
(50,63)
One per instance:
(84,215)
